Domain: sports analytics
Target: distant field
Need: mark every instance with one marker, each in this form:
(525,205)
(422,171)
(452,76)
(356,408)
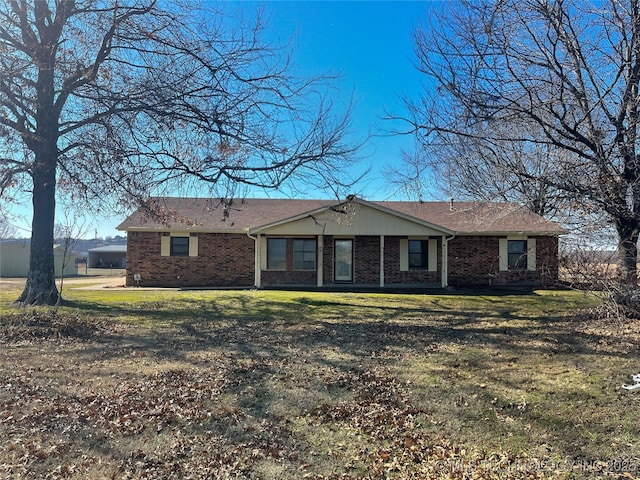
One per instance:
(277,385)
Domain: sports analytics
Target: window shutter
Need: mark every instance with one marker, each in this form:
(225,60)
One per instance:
(503,255)
(404,255)
(263,252)
(165,246)
(433,255)
(193,246)
(531,254)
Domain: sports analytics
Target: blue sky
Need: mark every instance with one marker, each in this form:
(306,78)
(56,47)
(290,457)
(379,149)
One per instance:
(369,43)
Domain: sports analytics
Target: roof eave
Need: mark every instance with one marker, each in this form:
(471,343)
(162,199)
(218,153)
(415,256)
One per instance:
(552,233)
(184,229)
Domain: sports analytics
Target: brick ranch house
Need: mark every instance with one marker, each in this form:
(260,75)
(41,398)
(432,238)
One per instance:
(200,242)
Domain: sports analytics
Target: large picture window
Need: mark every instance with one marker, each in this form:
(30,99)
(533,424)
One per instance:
(277,253)
(418,254)
(304,254)
(179,247)
(517,254)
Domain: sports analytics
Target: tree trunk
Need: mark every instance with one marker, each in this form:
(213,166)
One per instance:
(41,287)
(628,233)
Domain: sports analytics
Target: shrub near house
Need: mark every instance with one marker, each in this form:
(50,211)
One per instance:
(323,243)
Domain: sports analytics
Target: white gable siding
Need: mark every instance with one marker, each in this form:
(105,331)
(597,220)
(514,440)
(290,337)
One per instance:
(357,220)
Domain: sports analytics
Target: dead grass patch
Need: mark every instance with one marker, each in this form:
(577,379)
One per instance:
(279,385)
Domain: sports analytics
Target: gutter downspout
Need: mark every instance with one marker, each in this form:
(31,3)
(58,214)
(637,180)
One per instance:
(257,260)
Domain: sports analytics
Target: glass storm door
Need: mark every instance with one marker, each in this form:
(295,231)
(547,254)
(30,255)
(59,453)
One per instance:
(344,260)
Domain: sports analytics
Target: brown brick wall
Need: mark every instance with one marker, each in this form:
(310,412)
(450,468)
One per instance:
(327,260)
(223,260)
(290,277)
(228,260)
(366,260)
(474,261)
(547,260)
(392,273)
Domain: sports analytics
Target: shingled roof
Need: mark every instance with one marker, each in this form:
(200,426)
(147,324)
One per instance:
(478,217)
(242,215)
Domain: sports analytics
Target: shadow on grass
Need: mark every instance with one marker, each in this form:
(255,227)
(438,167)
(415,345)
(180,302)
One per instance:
(354,328)
(349,324)
(267,364)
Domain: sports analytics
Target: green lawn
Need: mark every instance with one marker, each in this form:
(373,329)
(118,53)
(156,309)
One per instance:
(259,384)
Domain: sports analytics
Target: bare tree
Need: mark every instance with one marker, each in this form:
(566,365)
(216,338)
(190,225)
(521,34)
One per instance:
(545,92)
(467,168)
(111,102)
(66,235)
(7,230)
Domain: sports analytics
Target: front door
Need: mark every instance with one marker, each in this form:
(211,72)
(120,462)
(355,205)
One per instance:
(344,260)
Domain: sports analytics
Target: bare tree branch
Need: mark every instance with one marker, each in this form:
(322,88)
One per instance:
(538,100)
(115,101)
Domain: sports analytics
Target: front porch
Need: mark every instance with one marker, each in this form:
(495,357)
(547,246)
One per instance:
(409,288)
(334,263)
(360,246)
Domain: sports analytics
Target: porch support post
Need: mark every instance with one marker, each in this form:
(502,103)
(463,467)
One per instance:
(381,260)
(320,261)
(258,261)
(444,278)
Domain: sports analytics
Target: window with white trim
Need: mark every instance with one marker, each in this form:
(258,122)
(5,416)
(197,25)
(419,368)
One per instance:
(304,254)
(276,253)
(180,244)
(418,254)
(517,254)
(179,247)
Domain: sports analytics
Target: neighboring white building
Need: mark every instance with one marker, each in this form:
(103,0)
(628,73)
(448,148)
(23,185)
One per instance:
(15,254)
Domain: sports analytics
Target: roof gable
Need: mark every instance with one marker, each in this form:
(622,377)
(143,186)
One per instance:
(352,218)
